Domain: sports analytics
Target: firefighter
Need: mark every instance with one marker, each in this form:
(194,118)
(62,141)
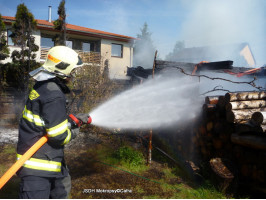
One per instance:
(45,174)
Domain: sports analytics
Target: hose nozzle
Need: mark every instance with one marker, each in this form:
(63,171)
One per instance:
(89,120)
(81,119)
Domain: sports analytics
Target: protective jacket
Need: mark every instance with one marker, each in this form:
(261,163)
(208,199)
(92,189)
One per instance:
(44,114)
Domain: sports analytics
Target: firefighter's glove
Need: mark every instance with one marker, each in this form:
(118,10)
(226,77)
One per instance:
(84,117)
(74,132)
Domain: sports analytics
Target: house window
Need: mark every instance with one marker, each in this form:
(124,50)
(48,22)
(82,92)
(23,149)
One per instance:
(47,42)
(9,39)
(117,50)
(69,43)
(86,46)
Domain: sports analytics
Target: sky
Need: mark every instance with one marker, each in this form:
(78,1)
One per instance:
(196,22)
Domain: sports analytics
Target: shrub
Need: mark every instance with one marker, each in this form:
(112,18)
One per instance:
(129,156)
(90,88)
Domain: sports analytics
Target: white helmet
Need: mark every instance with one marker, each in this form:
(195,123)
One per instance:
(61,61)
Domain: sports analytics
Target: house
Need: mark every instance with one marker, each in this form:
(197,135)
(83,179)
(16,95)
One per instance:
(240,54)
(100,47)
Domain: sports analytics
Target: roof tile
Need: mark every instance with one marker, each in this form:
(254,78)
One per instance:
(76,28)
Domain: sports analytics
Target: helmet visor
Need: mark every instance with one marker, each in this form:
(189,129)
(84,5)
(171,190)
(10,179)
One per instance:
(74,72)
(36,71)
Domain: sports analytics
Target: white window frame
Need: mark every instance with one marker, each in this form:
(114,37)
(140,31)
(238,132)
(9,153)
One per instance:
(89,46)
(9,39)
(115,45)
(68,42)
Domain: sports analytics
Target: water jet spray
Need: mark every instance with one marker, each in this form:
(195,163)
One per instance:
(159,102)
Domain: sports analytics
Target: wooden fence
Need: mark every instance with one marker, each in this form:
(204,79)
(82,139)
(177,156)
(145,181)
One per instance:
(88,57)
(11,103)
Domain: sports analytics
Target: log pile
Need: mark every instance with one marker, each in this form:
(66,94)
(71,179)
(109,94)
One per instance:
(246,106)
(233,128)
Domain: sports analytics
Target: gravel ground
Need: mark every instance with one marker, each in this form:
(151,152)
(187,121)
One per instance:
(8,135)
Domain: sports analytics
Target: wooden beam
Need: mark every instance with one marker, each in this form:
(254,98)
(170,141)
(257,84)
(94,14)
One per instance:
(252,141)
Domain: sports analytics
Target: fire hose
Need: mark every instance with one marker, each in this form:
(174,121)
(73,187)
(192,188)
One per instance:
(16,166)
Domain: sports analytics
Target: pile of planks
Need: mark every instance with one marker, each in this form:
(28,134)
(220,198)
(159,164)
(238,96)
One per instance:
(232,128)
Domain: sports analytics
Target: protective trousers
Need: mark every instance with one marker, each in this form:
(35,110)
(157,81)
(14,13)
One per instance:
(34,187)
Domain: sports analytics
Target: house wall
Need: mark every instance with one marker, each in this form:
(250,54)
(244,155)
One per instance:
(37,35)
(117,66)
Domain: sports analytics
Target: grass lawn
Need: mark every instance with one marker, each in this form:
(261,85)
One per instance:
(104,172)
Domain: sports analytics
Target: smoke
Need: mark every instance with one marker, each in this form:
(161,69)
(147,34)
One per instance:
(160,102)
(214,22)
(144,55)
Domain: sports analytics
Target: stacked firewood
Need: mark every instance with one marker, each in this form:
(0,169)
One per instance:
(233,128)
(246,107)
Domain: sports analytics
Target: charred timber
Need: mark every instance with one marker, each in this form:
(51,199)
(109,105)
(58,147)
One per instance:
(248,127)
(163,63)
(211,99)
(221,174)
(251,140)
(221,101)
(208,108)
(242,96)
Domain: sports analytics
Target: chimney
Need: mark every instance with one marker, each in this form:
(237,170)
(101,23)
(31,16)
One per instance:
(49,13)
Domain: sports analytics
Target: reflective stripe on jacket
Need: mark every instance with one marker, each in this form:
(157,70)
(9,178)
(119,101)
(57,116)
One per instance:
(44,113)
(28,115)
(39,164)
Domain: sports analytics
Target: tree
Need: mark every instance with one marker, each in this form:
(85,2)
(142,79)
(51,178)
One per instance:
(4,51)
(22,36)
(179,45)
(60,25)
(144,49)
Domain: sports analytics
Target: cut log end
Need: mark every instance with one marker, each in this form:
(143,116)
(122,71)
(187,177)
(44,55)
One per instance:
(257,118)
(220,168)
